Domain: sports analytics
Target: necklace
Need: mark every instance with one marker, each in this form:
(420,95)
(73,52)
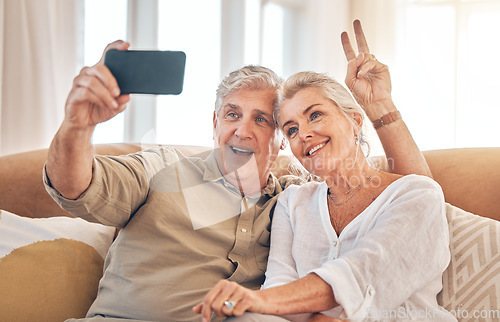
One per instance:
(356,189)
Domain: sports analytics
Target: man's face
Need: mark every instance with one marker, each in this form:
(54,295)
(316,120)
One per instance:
(246,139)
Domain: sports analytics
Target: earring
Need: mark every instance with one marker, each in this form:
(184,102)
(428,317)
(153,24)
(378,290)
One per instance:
(356,139)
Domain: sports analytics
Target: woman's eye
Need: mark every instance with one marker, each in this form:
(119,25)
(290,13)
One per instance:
(261,119)
(315,115)
(291,131)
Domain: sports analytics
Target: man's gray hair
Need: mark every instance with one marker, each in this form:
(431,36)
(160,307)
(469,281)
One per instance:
(248,77)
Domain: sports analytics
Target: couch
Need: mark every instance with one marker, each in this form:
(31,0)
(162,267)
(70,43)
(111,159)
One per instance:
(51,263)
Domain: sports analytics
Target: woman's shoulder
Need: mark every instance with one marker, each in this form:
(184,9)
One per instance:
(415,181)
(413,186)
(301,192)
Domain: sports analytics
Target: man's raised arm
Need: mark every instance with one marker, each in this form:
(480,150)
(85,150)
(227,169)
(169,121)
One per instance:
(94,98)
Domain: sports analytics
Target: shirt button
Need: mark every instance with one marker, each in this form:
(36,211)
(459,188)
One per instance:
(335,244)
(370,291)
(243,230)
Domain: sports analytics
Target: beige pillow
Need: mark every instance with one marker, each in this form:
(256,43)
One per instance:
(49,268)
(471,283)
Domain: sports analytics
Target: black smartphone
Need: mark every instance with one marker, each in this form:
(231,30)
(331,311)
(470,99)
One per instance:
(147,71)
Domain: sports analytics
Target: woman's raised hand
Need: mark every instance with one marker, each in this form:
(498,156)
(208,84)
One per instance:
(95,95)
(368,79)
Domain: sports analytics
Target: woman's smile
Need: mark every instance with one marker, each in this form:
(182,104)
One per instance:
(315,148)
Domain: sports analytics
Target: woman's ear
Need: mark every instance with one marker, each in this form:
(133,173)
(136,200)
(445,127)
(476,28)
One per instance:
(358,120)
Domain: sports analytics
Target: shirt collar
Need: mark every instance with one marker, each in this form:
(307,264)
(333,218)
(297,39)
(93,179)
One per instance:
(212,173)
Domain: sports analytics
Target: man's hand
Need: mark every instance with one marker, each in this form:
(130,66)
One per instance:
(367,78)
(229,298)
(95,96)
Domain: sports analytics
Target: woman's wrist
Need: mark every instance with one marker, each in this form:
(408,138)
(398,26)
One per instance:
(307,294)
(266,303)
(378,109)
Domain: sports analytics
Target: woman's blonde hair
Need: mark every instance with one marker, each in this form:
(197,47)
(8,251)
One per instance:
(332,90)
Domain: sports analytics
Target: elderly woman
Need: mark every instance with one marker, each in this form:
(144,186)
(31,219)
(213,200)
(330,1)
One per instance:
(360,243)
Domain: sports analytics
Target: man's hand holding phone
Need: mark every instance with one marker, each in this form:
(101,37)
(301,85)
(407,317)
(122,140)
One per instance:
(95,96)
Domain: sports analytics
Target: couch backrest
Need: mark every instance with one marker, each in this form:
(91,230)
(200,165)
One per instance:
(470,178)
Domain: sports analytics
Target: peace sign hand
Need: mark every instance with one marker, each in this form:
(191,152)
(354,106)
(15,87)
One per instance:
(367,78)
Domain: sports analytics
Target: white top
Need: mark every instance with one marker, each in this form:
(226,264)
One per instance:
(386,264)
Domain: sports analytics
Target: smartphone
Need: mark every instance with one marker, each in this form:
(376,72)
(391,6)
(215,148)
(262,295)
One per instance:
(147,71)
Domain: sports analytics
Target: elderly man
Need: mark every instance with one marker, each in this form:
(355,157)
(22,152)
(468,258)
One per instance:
(187,222)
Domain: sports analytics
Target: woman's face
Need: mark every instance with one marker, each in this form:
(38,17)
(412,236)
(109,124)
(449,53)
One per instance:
(320,135)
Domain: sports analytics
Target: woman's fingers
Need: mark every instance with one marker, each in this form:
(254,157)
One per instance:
(360,66)
(353,69)
(349,52)
(367,67)
(206,305)
(237,304)
(346,44)
(360,37)
(225,299)
(245,302)
(215,298)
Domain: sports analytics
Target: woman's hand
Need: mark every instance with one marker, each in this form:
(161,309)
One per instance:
(367,78)
(229,298)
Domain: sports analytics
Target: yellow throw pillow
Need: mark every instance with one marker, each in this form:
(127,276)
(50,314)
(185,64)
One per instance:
(49,268)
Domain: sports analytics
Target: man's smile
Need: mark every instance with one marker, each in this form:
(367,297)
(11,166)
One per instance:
(243,151)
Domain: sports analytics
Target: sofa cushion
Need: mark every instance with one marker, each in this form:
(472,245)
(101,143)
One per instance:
(471,283)
(49,268)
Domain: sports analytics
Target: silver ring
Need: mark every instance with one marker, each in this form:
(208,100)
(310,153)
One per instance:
(229,304)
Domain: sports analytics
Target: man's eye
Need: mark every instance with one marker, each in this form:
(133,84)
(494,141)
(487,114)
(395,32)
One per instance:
(232,114)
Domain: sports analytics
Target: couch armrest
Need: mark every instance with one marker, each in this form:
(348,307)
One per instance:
(21,189)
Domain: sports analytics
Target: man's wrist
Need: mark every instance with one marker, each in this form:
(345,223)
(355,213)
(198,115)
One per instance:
(69,132)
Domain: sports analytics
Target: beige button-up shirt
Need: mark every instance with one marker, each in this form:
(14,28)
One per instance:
(184,228)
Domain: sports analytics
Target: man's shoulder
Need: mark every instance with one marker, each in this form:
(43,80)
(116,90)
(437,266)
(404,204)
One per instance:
(289,180)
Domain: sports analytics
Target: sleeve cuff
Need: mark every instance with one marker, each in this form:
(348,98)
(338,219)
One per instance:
(354,301)
(76,206)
